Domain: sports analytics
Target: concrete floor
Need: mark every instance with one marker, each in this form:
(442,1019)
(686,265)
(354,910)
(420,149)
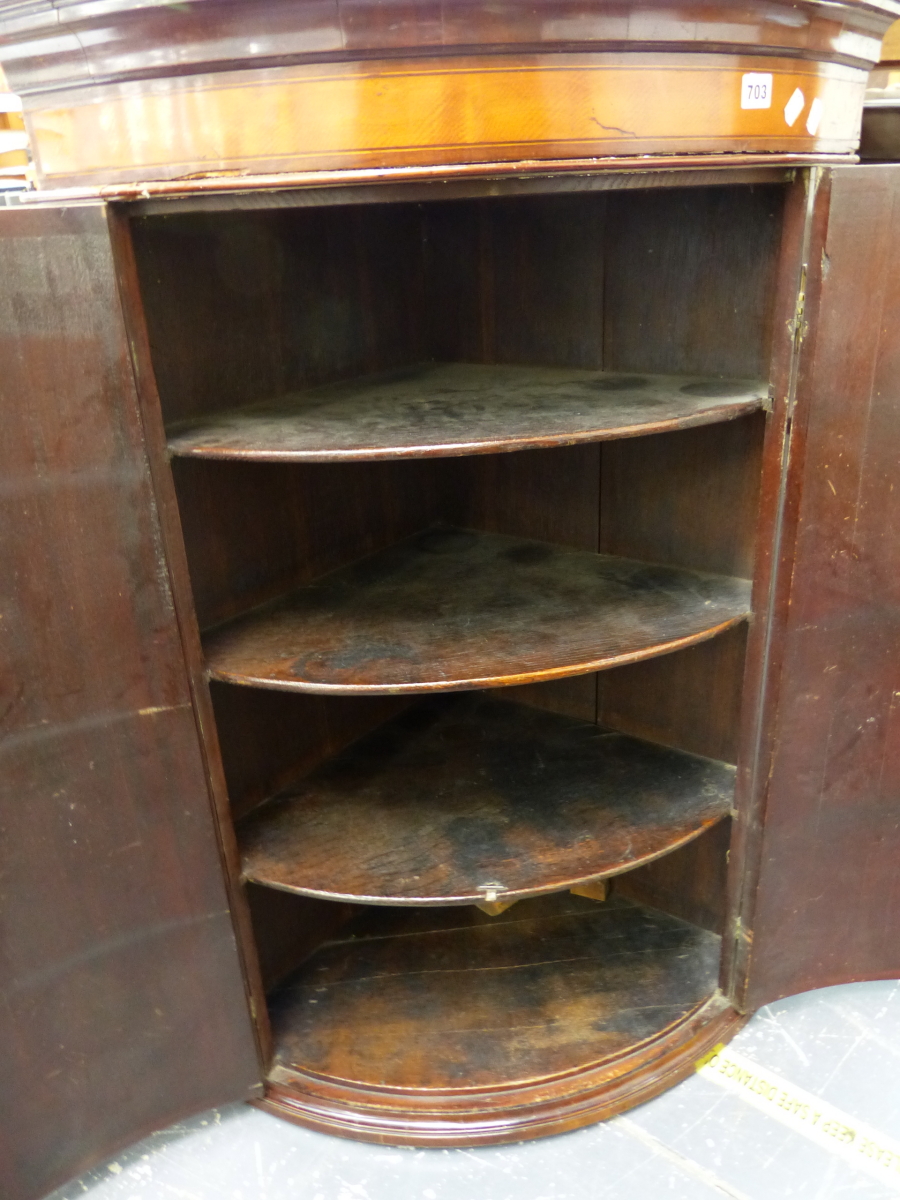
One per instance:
(696,1142)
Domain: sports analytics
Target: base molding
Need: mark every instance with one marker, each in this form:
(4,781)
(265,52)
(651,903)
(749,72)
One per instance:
(511,1113)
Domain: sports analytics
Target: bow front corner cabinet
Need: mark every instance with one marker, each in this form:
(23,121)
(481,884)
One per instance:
(450,583)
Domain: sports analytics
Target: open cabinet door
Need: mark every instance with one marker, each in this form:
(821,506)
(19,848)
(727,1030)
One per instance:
(824,841)
(124,1005)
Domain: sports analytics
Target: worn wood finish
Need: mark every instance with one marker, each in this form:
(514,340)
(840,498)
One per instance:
(478,799)
(515,1114)
(451,1000)
(690,883)
(712,257)
(773,551)
(287,928)
(690,700)
(128,41)
(551,495)
(462,408)
(423,112)
(142,92)
(829,775)
(268,739)
(281,301)
(116,922)
(452,608)
(690,498)
(255,531)
(467,182)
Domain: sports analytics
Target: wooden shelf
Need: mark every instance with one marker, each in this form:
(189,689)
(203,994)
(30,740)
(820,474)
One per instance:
(462,408)
(455,609)
(449,999)
(465,798)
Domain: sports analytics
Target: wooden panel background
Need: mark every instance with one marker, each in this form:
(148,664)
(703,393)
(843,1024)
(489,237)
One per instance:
(828,905)
(116,930)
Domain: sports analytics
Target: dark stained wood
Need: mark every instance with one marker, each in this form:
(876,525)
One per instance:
(253,531)
(249,194)
(830,769)
(687,498)
(279,302)
(268,739)
(458,1000)
(711,256)
(551,495)
(173,549)
(462,408)
(475,800)
(116,923)
(801,240)
(536,1108)
(451,609)
(690,883)
(516,280)
(287,928)
(880,141)
(690,498)
(130,41)
(690,700)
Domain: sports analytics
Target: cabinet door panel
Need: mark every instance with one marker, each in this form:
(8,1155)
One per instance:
(827,906)
(123,1000)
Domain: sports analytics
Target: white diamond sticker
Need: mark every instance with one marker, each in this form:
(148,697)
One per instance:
(815,116)
(756,90)
(794,106)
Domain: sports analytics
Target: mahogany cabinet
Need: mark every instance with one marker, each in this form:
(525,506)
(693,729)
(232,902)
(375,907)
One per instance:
(451,584)
(292,492)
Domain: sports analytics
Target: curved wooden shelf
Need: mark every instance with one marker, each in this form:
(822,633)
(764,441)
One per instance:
(462,408)
(467,798)
(446,1027)
(453,609)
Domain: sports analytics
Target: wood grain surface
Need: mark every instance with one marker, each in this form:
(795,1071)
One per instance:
(431,112)
(452,608)
(462,408)
(147,92)
(116,922)
(827,907)
(447,999)
(466,797)
(131,40)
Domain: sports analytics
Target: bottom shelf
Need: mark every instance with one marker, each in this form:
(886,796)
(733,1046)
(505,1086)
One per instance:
(444,1026)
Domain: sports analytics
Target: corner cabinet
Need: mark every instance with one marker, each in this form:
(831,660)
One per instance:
(450,632)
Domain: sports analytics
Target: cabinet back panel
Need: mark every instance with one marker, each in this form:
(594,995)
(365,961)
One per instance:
(246,306)
(287,928)
(547,494)
(688,498)
(270,738)
(516,281)
(690,280)
(255,530)
(690,883)
(690,700)
(691,499)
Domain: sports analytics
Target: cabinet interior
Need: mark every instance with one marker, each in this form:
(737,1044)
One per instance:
(248,306)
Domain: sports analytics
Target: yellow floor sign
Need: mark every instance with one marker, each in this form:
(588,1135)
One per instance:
(857,1143)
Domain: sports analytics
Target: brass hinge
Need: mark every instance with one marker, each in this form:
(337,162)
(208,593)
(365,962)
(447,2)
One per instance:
(797,325)
(741,934)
